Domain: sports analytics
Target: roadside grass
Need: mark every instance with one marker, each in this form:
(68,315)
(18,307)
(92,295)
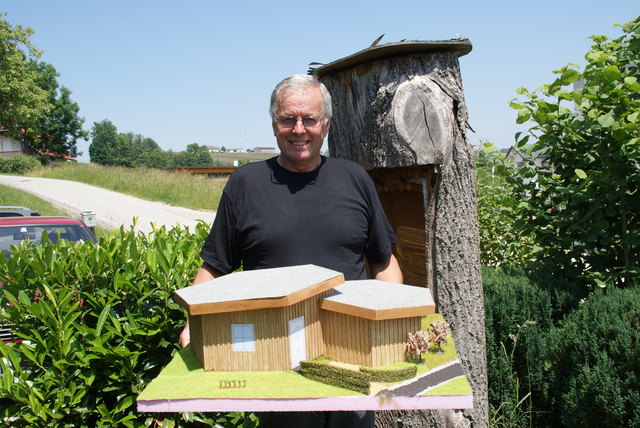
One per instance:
(178,189)
(14,197)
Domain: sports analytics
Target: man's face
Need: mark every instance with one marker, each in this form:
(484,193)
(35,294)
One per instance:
(299,139)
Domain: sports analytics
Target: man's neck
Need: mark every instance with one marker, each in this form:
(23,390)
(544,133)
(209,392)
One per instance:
(307,167)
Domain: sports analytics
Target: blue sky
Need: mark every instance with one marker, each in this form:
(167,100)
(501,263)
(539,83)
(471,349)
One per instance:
(202,71)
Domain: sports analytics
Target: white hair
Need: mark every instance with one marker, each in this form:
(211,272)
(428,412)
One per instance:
(299,83)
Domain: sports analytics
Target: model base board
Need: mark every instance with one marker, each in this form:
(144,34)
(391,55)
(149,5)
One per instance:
(184,386)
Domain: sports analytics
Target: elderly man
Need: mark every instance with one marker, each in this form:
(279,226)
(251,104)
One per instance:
(301,208)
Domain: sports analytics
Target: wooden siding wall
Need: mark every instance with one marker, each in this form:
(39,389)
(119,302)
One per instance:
(364,342)
(390,340)
(347,338)
(310,308)
(195,331)
(271,335)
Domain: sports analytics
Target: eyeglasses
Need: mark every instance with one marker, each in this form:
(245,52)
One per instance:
(291,122)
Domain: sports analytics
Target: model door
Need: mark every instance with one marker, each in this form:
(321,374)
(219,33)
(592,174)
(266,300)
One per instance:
(297,342)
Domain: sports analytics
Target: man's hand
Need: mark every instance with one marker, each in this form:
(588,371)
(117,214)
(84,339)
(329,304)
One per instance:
(185,337)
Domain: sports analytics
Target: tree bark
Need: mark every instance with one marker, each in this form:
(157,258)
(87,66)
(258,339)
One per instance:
(403,117)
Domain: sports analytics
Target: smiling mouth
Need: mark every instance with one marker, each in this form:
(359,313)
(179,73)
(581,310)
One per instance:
(299,143)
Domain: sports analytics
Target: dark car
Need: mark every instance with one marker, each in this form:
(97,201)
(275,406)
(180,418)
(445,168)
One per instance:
(6,211)
(14,230)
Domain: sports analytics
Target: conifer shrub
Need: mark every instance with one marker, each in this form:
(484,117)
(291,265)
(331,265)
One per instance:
(557,357)
(595,355)
(520,312)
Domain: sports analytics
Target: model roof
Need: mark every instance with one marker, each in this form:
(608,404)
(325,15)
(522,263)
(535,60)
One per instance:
(257,289)
(380,300)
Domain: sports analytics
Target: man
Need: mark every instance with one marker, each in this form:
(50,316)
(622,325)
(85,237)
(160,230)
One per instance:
(301,208)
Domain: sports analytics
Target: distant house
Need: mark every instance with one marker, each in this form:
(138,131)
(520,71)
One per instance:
(213,149)
(271,319)
(264,149)
(53,158)
(9,147)
(517,158)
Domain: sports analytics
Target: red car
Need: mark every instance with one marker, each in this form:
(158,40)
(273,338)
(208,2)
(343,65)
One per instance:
(14,230)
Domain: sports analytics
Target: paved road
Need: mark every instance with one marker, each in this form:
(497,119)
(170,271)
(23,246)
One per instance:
(112,209)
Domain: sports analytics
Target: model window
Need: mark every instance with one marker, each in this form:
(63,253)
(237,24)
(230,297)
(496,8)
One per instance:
(242,337)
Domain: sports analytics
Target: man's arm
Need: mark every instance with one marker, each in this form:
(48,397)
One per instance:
(205,273)
(386,271)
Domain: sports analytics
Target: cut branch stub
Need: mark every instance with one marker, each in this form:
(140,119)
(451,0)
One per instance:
(423,118)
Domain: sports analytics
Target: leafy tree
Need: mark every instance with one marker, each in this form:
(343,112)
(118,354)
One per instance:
(156,158)
(23,102)
(57,132)
(500,242)
(139,145)
(582,206)
(33,107)
(195,155)
(107,147)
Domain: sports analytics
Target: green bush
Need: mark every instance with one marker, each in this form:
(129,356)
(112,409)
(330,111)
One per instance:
(99,322)
(517,312)
(555,362)
(19,164)
(596,358)
(520,312)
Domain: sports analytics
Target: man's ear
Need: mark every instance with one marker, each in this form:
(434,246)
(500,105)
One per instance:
(325,130)
(274,126)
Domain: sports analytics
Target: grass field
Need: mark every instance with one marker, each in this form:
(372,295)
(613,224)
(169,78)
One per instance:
(178,189)
(226,159)
(197,192)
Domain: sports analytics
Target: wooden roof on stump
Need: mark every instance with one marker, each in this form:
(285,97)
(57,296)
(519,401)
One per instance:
(387,50)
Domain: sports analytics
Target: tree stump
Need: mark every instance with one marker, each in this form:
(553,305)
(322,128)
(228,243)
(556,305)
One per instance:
(399,111)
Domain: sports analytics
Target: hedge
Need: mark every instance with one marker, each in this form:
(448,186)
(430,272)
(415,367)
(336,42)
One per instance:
(99,322)
(558,356)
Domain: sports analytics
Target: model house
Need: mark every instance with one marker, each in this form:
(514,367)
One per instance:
(271,319)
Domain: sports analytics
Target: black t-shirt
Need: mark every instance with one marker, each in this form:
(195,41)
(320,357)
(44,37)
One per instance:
(271,217)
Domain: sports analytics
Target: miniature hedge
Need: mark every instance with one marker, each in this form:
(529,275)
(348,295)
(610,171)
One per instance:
(389,375)
(335,376)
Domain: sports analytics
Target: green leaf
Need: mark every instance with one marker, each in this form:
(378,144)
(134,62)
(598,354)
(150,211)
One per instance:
(594,56)
(580,173)
(523,116)
(124,403)
(102,319)
(606,121)
(632,84)
(612,73)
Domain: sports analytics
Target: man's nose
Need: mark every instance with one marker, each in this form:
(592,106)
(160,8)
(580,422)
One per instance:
(299,126)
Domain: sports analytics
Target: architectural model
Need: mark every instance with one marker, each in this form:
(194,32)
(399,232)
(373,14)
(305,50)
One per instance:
(272,319)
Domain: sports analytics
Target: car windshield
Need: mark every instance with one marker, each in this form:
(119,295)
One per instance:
(13,235)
